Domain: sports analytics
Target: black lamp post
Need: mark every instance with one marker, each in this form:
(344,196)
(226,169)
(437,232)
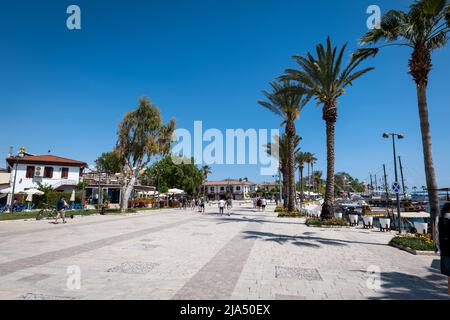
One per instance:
(399,136)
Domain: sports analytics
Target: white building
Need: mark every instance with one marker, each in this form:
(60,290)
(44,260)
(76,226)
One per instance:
(236,189)
(61,173)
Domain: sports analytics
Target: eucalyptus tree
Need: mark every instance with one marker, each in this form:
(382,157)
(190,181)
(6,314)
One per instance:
(326,77)
(141,137)
(423,29)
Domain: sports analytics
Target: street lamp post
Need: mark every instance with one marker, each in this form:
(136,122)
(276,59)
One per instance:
(399,136)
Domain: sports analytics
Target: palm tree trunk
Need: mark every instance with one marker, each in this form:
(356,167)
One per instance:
(328,206)
(312,176)
(433,195)
(290,132)
(284,173)
(301,184)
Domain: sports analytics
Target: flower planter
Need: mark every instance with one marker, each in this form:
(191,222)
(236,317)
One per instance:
(338,215)
(368,222)
(354,219)
(385,224)
(422,228)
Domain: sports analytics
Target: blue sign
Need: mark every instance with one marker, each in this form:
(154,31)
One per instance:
(396,187)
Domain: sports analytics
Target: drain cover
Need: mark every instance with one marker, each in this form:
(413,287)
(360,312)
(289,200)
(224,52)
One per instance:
(297,274)
(34,296)
(134,267)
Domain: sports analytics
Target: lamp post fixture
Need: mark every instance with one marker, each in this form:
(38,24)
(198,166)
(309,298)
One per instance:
(398,136)
(21,154)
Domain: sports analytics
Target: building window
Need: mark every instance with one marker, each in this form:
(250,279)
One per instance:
(64,173)
(238,188)
(30,172)
(222,188)
(48,172)
(211,189)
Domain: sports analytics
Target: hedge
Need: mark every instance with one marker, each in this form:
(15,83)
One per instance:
(52,198)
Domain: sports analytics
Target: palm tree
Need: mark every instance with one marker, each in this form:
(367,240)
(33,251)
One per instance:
(206,171)
(326,78)
(313,161)
(301,159)
(287,103)
(424,29)
(280,151)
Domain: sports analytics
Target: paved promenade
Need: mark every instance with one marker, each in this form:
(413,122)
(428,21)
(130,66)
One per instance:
(176,254)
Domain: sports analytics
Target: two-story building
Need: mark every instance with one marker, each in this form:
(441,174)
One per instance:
(61,174)
(240,189)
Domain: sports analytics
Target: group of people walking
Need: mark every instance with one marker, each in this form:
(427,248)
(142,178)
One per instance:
(260,204)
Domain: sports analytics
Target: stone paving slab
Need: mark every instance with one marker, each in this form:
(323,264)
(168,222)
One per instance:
(176,254)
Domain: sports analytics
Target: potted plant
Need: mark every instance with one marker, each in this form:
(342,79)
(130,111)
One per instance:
(385,223)
(367,219)
(353,217)
(421,227)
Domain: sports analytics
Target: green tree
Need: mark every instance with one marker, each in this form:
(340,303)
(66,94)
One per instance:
(141,136)
(183,175)
(109,163)
(423,29)
(287,103)
(326,78)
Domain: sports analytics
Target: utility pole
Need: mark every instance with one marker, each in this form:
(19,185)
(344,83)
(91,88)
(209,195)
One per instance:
(371,184)
(403,180)
(386,188)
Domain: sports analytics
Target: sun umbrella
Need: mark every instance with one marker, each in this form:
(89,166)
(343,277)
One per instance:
(6,191)
(72,197)
(175,191)
(29,197)
(33,192)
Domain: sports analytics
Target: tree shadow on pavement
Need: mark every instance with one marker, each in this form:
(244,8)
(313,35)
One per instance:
(300,240)
(398,285)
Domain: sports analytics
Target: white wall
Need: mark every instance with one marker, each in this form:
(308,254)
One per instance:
(23,182)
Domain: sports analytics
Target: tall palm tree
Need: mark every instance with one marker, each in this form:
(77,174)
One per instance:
(313,161)
(287,103)
(326,78)
(280,151)
(206,171)
(424,29)
(301,159)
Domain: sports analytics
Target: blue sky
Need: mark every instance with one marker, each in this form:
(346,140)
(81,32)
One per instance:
(66,91)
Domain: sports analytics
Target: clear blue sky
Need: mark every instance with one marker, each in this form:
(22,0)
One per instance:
(204,60)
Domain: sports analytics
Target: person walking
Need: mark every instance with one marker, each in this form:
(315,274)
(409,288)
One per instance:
(61,207)
(229,206)
(221,206)
(263,204)
(202,205)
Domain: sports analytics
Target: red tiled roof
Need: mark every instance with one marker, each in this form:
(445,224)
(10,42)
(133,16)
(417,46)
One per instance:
(47,159)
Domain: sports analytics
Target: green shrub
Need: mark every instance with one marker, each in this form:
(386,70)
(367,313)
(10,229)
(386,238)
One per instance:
(416,242)
(317,222)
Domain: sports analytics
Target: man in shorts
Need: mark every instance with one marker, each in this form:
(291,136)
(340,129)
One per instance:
(61,206)
(221,206)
